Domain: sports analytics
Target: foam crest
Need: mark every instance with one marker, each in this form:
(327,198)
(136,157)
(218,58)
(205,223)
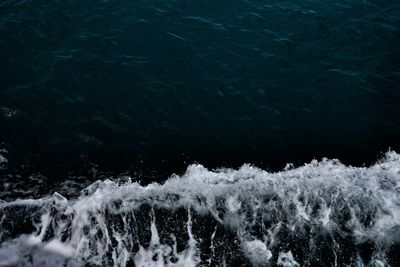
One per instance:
(320,212)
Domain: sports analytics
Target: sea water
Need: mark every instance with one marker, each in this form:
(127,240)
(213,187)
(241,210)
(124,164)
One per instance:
(321,214)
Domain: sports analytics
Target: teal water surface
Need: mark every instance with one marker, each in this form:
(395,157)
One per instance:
(167,83)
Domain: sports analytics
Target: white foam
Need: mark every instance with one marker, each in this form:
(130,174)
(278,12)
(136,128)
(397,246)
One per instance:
(313,195)
(57,247)
(159,255)
(286,259)
(257,251)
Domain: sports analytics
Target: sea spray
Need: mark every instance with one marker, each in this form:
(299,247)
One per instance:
(320,214)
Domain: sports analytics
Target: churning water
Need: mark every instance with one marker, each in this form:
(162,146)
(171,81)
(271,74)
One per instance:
(148,87)
(321,214)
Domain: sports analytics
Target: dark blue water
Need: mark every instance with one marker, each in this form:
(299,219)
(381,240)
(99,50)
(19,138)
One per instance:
(123,83)
(90,89)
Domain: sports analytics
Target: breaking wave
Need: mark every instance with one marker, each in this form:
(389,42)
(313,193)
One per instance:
(321,214)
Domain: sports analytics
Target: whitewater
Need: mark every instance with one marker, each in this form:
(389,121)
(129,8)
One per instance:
(323,213)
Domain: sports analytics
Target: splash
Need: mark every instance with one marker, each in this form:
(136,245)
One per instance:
(321,214)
